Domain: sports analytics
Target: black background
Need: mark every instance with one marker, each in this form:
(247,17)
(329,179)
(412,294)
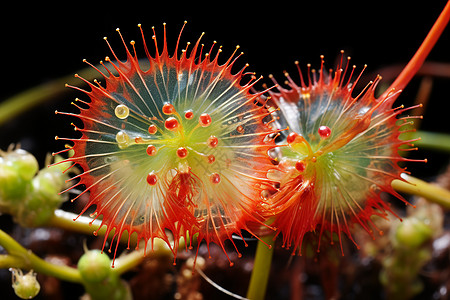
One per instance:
(41,42)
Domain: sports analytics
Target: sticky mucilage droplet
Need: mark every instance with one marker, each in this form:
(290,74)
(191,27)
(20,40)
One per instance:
(123,139)
(122,111)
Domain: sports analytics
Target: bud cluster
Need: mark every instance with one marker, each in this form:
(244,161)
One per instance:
(30,195)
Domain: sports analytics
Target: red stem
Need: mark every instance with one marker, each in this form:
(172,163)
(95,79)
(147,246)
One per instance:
(417,60)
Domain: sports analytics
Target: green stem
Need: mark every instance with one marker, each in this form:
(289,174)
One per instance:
(432,140)
(21,102)
(65,220)
(261,269)
(431,192)
(125,263)
(9,261)
(17,104)
(31,261)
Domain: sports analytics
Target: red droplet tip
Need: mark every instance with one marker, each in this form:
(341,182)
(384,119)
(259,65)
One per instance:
(189,114)
(291,137)
(205,120)
(171,124)
(213,141)
(324,131)
(215,178)
(168,109)
(151,150)
(152,129)
(182,152)
(300,166)
(152,179)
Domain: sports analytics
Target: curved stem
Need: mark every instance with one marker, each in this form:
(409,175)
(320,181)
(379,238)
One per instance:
(31,261)
(9,261)
(261,270)
(417,60)
(126,262)
(65,220)
(431,192)
(21,102)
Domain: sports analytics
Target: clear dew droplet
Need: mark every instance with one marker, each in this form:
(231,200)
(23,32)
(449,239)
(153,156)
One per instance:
(123,139)
(122,111)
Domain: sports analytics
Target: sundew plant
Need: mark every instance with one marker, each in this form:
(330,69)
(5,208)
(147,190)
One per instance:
(179,156)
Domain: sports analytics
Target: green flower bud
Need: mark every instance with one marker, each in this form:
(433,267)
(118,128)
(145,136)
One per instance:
(94,266)
(12,186)
(17,168)
(38,207)
(412,232)
(25,286)
(29,197)
(49,182)
(24,162)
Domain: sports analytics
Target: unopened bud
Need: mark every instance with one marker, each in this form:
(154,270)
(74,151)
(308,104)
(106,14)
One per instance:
(25,286)
(412,232)
(25,163)
(94,266)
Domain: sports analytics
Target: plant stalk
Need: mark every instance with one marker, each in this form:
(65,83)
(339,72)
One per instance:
(430,140)
(31,261)
(431,192)
(261,269)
